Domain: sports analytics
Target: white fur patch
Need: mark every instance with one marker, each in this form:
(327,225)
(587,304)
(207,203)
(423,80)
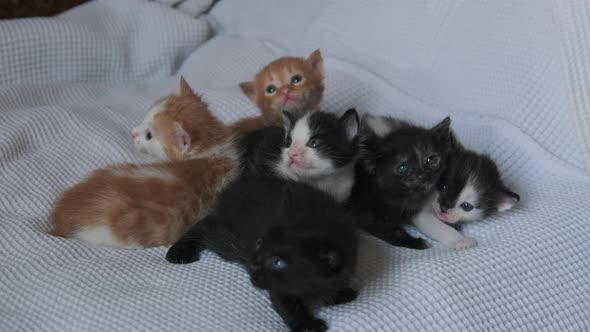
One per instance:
(153,146)
(427,222)
(379,125)
(338,184)
(101,236)
(470,195)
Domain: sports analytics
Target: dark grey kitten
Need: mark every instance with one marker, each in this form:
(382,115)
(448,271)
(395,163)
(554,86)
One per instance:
(397,175)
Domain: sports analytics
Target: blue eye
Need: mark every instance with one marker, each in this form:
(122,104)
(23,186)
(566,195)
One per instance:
(466,206)
(313,142)
(279,263)
(402,169)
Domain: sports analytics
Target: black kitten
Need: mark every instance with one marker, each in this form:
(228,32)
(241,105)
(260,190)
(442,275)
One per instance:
(398,172)
(294,241)
(319,149)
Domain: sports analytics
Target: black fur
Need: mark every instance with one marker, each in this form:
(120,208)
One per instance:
(483,172)
(385,196)
(261,150)
(259,221)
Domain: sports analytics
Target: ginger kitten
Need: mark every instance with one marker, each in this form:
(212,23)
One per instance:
(174,123)
(137,206)
(293,84)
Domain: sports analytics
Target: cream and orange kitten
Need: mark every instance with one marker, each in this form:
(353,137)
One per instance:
(174,123)
(137,206)
(293,84)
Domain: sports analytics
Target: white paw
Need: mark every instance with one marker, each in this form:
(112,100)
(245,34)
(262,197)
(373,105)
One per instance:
(464,243)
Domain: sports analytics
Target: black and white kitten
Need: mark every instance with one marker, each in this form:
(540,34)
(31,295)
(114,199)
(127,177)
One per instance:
(470,189)
(319,149)
(294,240)
(397,175)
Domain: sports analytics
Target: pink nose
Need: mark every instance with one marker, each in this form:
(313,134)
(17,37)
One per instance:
(134,135)
(284,91)
(293,153)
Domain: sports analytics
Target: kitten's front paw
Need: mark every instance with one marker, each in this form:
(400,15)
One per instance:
(342,296)
(181,255)
(464,243)
(422,244)
(311,325)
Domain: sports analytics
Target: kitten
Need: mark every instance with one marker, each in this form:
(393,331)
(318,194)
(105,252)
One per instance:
(292,84)
(319,149)
(470,189)
(137,206)
(174,123)
(293,240)
(396,177)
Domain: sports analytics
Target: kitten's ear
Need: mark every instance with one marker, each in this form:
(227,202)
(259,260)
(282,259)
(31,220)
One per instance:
(249,89)
(443,128)
(316,61)
(185,89)
(181,138)
(330,257)
(351,123)
(454,142)
(507,200)
(288,121)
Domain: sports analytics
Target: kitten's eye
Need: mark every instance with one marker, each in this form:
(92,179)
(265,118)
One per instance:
(444,188)
(279,263)
(296,79)
(288,141)
(258,243)
(271,89)
(432,160)
(148,136)
(402,169)
(313,142)
(466,206)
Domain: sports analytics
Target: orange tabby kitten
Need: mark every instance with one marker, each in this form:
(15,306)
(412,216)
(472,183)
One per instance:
(173,123)
(292,84)
(137,206)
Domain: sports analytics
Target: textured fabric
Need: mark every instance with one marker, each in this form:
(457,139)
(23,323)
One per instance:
(502,70)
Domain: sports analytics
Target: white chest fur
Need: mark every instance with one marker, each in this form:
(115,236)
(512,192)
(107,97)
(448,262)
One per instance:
(338,185)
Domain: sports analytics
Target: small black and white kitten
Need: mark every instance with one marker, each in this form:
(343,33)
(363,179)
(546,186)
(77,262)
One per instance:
(294,240)
(398,173)
(470,189)
(319,149)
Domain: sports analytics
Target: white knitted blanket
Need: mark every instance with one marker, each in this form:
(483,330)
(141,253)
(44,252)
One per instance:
(514,76)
